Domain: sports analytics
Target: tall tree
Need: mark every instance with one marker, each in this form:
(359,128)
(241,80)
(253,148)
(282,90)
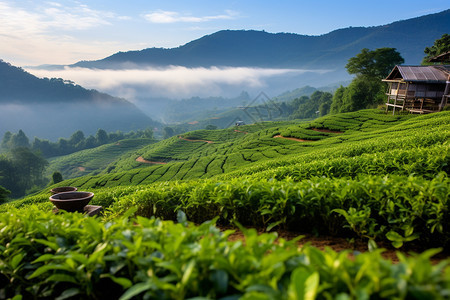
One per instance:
(147,133)
(56,177)
(363,93)
(337,101)
(29,165)
(6,140)
(7,173)
(101,137)
(168,132)
(3,194)
(318,104)
(366,90)
(76,139)
(90,142)
(45,147)
(63,146)
(375,64)
(21,169)
(19,140)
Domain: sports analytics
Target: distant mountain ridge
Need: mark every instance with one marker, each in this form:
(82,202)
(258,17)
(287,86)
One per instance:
(19,86)
(52,108)
(287,50)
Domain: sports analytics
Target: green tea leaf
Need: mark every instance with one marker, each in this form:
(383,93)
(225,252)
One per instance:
(52,245)
(372,245)
(274,224)
(124,282)
(188,271)
(15,261)
(43,258)
(47,268)
(69,293)
(394,236)
(304,284)
(62,278)
(136,290)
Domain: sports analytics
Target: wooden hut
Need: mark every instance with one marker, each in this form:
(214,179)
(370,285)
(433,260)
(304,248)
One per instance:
(442,58)
(418,89)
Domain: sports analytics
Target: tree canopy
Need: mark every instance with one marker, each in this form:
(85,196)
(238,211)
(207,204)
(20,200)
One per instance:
(366,90)
(376,64)
(361,93)
(63,146)
(318,104)
(11,141)
(3,194)
(56,177)
(22,169)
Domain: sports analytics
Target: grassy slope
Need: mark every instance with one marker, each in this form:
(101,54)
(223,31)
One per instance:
(253,149)
(93,161)
(235,151)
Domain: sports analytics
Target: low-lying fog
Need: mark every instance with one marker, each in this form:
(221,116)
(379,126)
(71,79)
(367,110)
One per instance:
(147,87)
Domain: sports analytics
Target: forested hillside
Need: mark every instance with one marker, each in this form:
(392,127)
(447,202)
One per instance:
(53,108)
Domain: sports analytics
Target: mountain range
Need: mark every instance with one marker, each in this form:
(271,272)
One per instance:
(302,60)
(287,50)
(52,108)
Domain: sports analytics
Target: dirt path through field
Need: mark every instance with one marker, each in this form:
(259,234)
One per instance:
(142,160)
(292,138)
(189,140)
(245,132)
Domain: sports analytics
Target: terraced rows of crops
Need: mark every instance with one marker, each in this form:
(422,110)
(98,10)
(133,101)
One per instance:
(237,152)
(92,161)
(381,178)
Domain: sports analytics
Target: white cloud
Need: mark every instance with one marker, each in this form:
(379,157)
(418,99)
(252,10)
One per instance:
(42,19)
(165,17)
(74,18)
(42,33)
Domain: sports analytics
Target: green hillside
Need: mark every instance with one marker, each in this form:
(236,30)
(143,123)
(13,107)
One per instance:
(364,175)
(353,148)
(192,157)
(93,161)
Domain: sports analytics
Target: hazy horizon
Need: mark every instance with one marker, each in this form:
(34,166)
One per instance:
(174,82)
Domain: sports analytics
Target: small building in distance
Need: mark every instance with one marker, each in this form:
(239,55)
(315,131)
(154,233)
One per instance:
(418,89)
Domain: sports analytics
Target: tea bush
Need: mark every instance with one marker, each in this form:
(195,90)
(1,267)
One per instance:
(68,256)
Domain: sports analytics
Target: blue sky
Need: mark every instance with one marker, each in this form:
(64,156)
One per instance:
(34,32)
